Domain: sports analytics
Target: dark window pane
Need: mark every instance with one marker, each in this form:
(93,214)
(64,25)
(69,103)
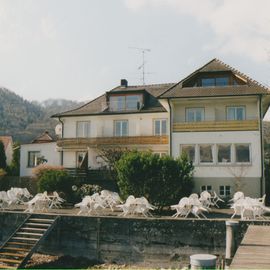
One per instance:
(190,152)
(208,82)
(242,153)
(222,81)
(224,153)
(206,155)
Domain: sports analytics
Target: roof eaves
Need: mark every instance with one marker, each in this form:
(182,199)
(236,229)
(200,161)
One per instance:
(86,104)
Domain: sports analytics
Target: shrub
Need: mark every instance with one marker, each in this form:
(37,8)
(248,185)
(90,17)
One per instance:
(162,180)
(14,168)
(87,189)
(42,168)
(3,158)
(52,178)
(2,172)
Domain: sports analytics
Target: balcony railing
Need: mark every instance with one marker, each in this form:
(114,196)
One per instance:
(244,125)
(112,141)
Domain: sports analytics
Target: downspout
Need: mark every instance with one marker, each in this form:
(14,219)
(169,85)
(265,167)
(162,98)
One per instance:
(262,147)
(171,125)
(62,135)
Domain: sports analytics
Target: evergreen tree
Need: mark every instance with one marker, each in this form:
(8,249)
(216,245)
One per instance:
(14,168)
(3,158)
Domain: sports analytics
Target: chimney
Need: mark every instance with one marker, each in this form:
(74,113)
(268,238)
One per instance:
(124,83)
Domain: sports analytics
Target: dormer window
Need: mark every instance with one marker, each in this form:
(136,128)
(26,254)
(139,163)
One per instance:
(218,81)
(214,79)
(126,102)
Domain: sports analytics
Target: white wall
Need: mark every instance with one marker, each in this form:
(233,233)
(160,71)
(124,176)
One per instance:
(215,109)
(103,125)
(223,170)
(48,150)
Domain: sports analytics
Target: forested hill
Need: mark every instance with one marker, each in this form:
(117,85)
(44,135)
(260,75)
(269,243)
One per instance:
(25,120)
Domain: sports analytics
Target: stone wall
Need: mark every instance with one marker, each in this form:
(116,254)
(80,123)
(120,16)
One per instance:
(152,242)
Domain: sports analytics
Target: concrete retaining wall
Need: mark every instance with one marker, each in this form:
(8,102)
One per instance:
(149,242)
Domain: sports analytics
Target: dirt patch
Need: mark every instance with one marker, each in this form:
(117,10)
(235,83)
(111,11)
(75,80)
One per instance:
(40,261)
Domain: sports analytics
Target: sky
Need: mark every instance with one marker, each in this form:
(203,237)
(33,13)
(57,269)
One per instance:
(78,49)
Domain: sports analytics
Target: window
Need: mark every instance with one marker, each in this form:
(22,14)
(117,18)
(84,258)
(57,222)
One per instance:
(161,154)
(208,82)
(33,158)
(218,81)
(194,114)
(190,151)
(81,158)
(121,128)
(83,129)
(224,191)
(160,127)
(222,81)
(236,113)
(224,153)
(206,155)
(206,188)
(125,102)
(242,153)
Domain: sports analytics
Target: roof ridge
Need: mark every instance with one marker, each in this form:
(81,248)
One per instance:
(241,73)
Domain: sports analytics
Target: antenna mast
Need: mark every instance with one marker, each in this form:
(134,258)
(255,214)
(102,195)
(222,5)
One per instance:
(142,66)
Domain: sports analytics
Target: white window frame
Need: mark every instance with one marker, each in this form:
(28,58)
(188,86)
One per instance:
(160,126)
(225,191)
(86,131)
(206,188)
(235,112)
(161,154)
(121,128)
(194,110)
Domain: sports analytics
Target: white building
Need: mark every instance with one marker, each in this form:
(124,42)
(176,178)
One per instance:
(42,149)
(214,115)
(126,116)
(216,118)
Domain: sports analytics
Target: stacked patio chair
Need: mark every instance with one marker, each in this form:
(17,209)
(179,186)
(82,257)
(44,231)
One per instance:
(248,208)
(136,206)
(98,202)
(187,205)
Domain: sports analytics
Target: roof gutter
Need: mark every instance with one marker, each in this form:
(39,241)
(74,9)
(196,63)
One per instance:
(62,135)
(171,129)
(262,184)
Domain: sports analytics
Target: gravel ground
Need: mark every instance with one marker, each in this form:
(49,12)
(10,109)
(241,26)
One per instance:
(40,261)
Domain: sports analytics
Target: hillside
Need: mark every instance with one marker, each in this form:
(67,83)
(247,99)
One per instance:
(25,120)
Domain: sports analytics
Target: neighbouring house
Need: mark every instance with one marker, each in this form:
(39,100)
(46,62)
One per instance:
(216,118)
(8,145)
(40,150)
(127,116)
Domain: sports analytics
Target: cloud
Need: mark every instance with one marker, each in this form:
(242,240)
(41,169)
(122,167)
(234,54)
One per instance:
(239,27)
(48,27)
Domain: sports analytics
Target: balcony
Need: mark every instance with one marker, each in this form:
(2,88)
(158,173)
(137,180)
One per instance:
(111,141)
(244,125)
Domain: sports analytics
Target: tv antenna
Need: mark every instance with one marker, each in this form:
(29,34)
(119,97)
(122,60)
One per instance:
(142,66)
